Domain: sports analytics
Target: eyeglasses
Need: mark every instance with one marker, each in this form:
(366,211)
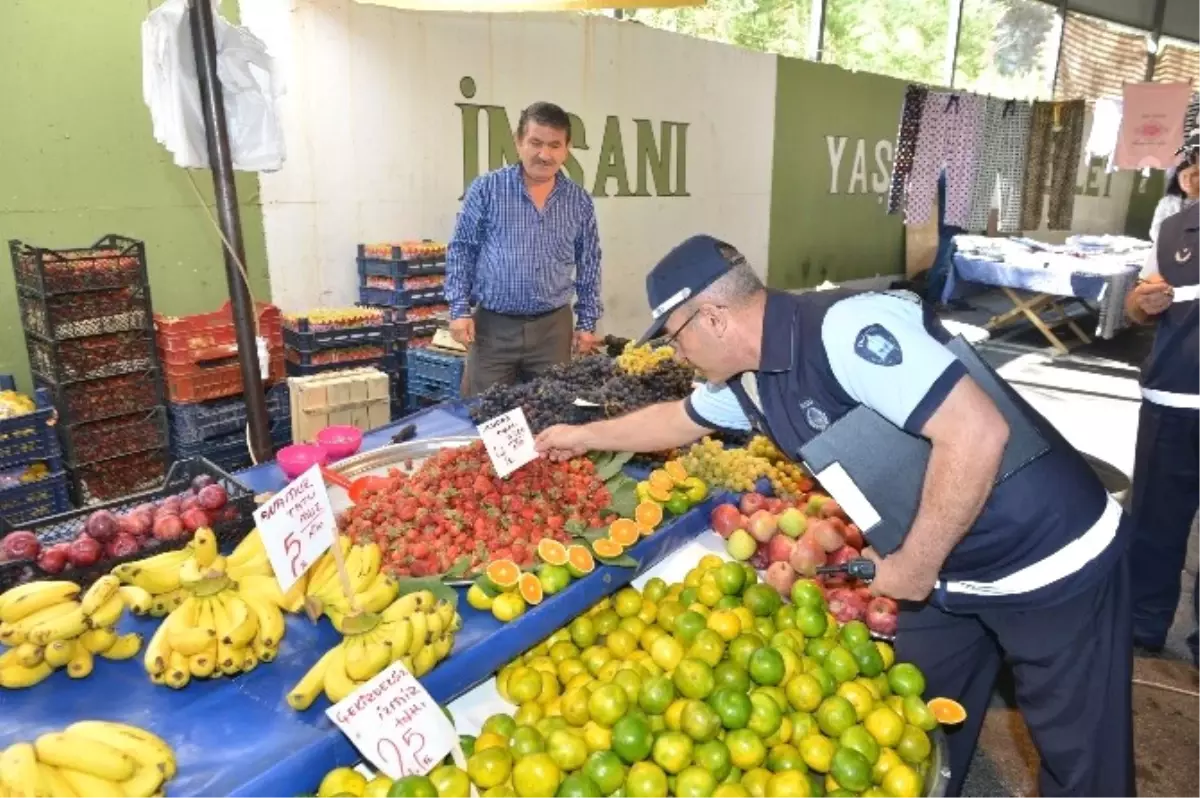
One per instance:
(671,338)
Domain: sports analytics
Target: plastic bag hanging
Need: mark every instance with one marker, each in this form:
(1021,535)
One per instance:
(250,85)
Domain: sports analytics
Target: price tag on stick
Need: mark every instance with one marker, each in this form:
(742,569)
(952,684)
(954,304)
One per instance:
(509,441)
(297,526)
(395,724)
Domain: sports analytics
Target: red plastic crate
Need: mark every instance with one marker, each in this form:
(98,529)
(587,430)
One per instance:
(209,337)
(196,383)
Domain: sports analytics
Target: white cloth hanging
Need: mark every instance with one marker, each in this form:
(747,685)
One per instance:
(1106,124)
(250,84)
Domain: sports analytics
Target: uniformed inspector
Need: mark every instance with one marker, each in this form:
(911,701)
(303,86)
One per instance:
(1031,571)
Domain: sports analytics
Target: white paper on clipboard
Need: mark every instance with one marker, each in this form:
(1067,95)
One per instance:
(838,484)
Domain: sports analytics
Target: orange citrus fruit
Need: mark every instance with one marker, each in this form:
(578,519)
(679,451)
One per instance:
(947,711)
(648,514)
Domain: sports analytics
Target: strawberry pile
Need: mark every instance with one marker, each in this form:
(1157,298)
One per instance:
(455,506)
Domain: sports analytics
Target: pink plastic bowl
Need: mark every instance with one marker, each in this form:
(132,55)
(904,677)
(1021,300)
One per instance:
(294,460)
(340,441)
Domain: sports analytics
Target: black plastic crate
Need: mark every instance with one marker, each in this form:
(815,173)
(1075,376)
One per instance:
(60,317)
(305,339)
(203,421)
(94,400)
(231,525)
(91,358)
(23,502)
(114,437)
(214,448)
(31,437)
(109,480)
(114,261)
(383,363)
(398,269)
(393,298)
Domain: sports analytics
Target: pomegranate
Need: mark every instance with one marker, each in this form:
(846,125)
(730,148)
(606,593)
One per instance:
(780,575)
(854,538)
(101,525)
(21,545)
(212,497)
(752,502)
(54,559)
(846,606)
(122,545)
(773,505)
(202,481)
(843,555)
(779,549)
(825,534)
(194,518)
(188,503)
(831,509)
(168,527)
(806,557)
(882,615)
(171,505)
(143,524)
(726,518)
(762,526)
(83,551)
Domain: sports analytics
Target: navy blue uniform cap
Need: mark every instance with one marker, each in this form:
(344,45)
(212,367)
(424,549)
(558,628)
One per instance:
(686,270)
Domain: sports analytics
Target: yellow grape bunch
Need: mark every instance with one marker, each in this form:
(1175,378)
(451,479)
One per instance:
(644,358)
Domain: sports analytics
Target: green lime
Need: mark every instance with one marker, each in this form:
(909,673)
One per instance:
(567,749)
(835,715)
(413,787)
(606,771)
(732,706)
(730,674)
(450,782)
(811,621)
(656,695)
(688,625)
(806,593)
(827,682)
(501,723)
(762,600)
(695,782)
(700,721)
(746,749)
(766,666)
(673,751)
(526,740)
(804,692)
(906,679)
(577,785)
(713,756)
(536,775)
(693,678)
(632,738)
(765,715)
(553,578)
(819,647)
(859,739)
(583,632)
(870,663)
(742,648)
(841,664)
(855,632)
(489,767)
(731,578)
(646,780)
(851,769)
(785,756)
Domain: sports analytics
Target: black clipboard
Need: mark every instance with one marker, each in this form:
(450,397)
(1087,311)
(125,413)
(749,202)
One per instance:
(876,470)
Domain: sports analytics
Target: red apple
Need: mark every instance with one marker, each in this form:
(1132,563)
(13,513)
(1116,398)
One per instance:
(726,518)
(854,538)
(54,559)
(168,527)
(212,497)
(146,509)
(881,615)
(779,549)
(792,522)
(83,551)
(825,534)
(831,509)
(762,526)
(122,545)
(101,525)
(773,505)
(194,518)
(21,545)
(806,557)
(752,502)
(780,575)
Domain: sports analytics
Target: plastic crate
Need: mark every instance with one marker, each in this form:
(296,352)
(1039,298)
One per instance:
(108,480)
(91,358)
(112,262)
(401,299)
(186,384)
(113,437)
(195,423)
(81,402)
(436,367)
(305,339)
(230,527)
(224,445)
(28,438)
(20,504)
(60,317)
(417,386)
(383,363)
(206,338)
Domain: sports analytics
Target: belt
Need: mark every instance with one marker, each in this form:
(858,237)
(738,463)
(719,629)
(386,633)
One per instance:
(1188,401)
(1062,563)
(523,316)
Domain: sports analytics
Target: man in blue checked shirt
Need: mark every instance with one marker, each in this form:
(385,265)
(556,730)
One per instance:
(526,238)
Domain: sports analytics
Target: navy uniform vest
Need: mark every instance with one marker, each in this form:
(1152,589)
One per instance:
(1171,373)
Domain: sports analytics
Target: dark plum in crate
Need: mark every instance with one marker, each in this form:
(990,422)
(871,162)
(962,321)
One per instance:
(82,545)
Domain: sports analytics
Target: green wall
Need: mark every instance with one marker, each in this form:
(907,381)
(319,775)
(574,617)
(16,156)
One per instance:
(826,222)
(1147,191)
(78,159)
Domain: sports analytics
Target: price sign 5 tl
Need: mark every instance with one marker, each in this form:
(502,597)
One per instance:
(395,724)
(297,526)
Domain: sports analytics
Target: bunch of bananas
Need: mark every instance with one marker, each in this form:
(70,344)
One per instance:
(416,629)
(90,758)
(154,585)
(47,628)
(372,589)
(644,358)
(223,627)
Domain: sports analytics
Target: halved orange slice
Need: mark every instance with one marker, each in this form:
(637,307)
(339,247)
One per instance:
(648,514)
(623,531)
(661,479)
(947,711)
(676,471)
(607,548)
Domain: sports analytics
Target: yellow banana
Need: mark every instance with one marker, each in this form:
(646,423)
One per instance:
(124,647)
(446,610)
(293,599)
(443,647)
(434,624)
(379,594)
(311,684)
(249,660)
(28,654)
(424,661)
(185,616)
(87,785)
(370,659)
(97,641)
(221,620)
(11,634)
(264,652)
(259,566)
(229,659)
(157,580)
(158,652)
(19,773)
(259,585)
(204,547)
(59,653)
(368,568)
(400,635)
(243,622)
(270,619)
(136,599)
(190,642)
(81,663)
(159,752)
(178,673)
(166,603)
(70,624)
(54,781)
(420,627)
(107,614)
(325,568)
(190,573)
(12,594)
(202,665)
(145,782)
(80,753)
(26,604)
(250,547)
(403,607)
(338,683)
(99,593)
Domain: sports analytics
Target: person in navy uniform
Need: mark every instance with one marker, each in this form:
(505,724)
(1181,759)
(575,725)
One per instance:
(1166,472)
(1031,571)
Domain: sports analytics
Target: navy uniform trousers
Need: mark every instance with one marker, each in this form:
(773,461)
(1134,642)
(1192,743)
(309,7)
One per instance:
(1166,492)
(1072,664)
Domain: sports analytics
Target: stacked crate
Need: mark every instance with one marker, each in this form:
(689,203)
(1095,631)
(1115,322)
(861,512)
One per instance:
(337,339)
(88,319)
(206,408)
(33,483)
(434,375)
(410,277)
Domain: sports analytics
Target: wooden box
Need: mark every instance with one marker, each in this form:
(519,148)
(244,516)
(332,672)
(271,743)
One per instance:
(357,397)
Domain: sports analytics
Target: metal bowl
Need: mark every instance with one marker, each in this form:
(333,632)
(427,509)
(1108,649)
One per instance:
(937,780)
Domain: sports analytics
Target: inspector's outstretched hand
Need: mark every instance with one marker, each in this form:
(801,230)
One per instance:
(900,579)
(562,442)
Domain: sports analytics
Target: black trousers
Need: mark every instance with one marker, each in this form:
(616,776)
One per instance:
(1166,491)
(1072,663)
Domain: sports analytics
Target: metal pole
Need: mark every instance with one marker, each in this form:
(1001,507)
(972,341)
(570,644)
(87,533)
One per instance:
(1152,44)
(953,35)
(220,159)
(816,31)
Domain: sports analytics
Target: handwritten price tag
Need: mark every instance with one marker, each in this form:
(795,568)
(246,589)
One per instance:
(509,441)
(395,724)
(297,526)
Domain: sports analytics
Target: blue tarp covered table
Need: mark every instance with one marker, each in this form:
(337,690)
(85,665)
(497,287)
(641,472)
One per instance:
(238,736)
